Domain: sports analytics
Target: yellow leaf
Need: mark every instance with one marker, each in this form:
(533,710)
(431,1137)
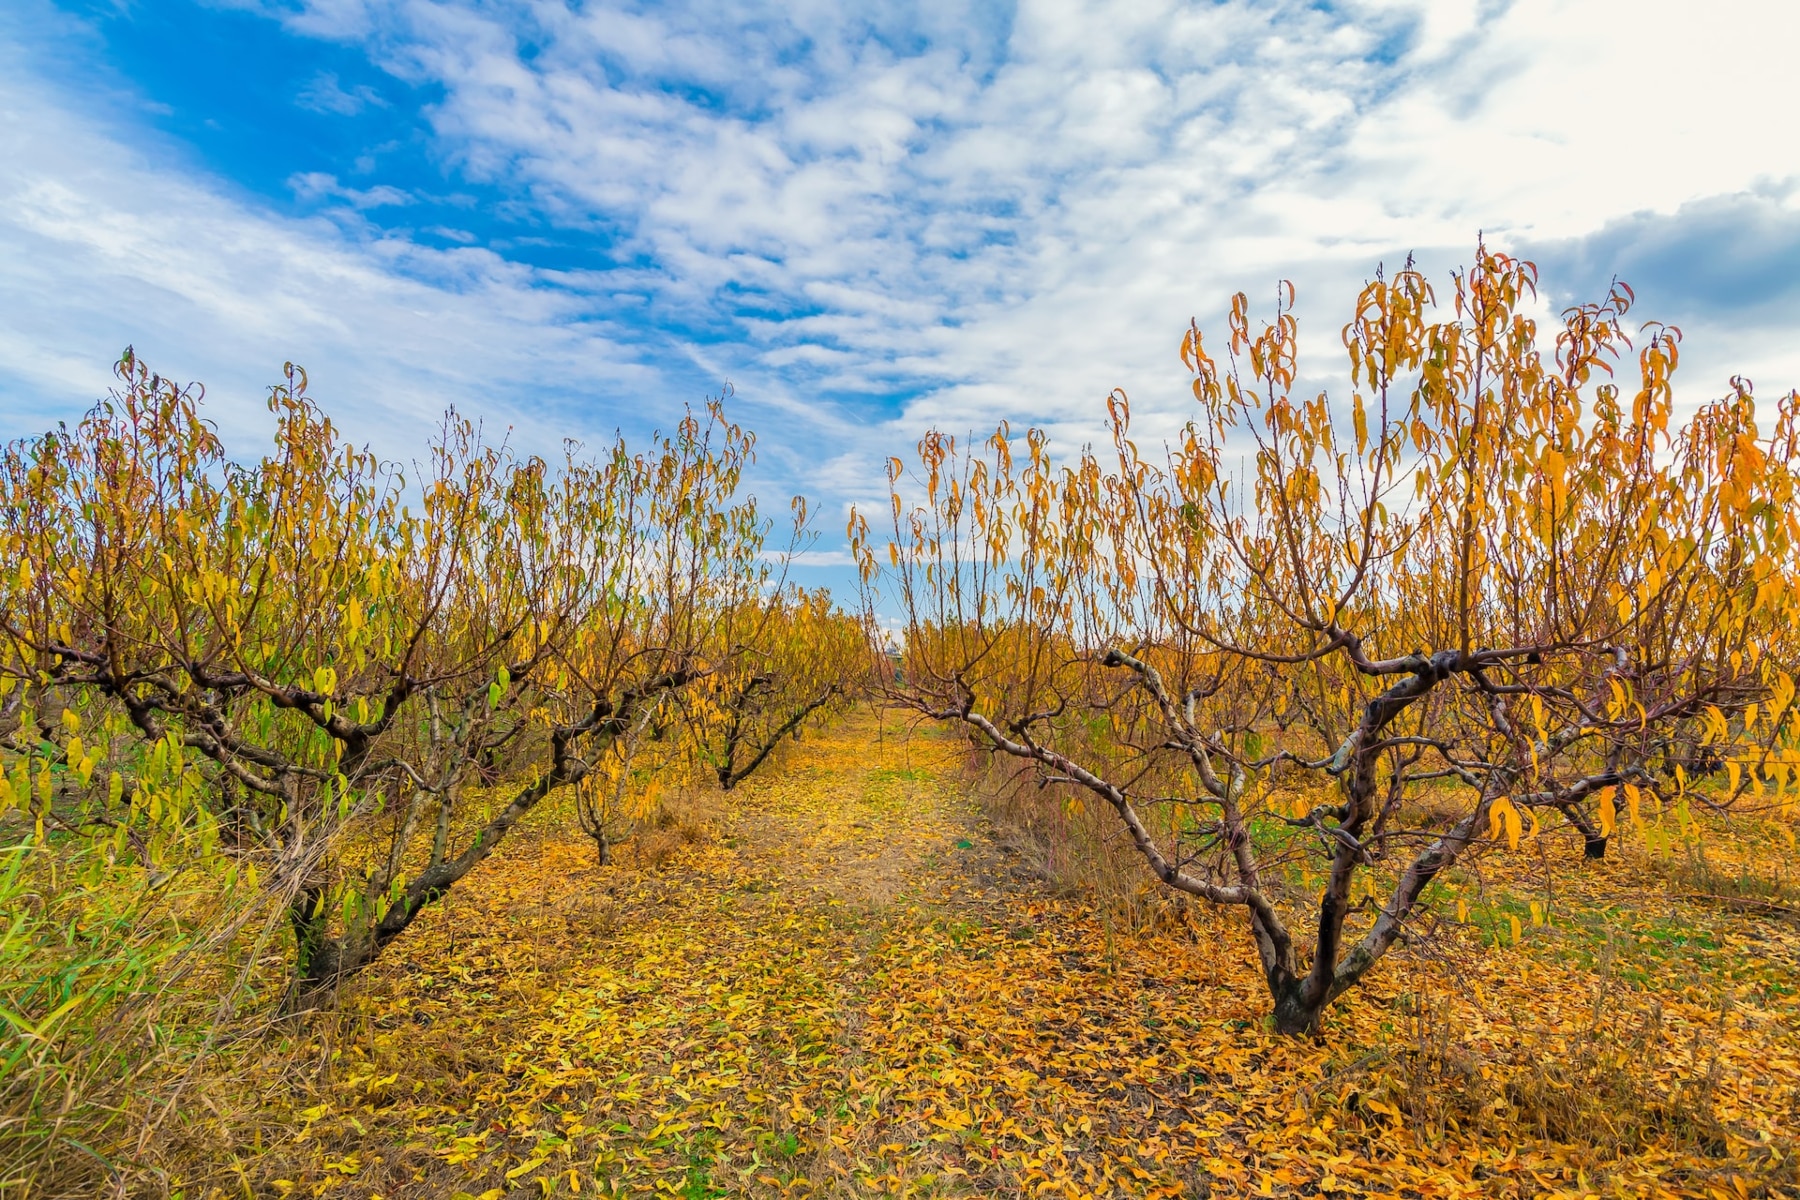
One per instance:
(528,1166)
(1609,813)
(1503,817)
(1518,931)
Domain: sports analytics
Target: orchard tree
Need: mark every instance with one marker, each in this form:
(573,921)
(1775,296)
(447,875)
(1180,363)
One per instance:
(287,665)
(785,657)
(593,598)
(1489,573)
(224,650)
(795,656)
(625,782)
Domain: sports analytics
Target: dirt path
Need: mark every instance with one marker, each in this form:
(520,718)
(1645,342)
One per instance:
(703,1024)
(837,983)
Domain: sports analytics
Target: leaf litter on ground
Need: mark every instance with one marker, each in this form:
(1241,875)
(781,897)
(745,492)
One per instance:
(842,982)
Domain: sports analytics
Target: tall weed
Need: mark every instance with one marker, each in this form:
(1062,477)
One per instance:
(115,985)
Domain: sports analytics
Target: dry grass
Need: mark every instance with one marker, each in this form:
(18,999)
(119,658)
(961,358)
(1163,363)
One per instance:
(683,817)
(120,999)
(1601,1086)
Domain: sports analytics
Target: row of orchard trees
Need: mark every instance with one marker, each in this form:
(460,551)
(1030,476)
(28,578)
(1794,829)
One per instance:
(1495,582)
(341,687)
(1491,577)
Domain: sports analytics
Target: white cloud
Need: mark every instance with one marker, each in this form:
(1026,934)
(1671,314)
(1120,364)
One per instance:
(318,185)
(102,243)
(323,93)
(1068,190)
(817,558)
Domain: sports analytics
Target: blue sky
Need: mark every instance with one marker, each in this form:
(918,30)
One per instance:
(573,217)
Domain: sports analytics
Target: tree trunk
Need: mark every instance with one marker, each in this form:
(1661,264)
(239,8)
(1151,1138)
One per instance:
(1593,842)
(318,960)
(306,915)
(332,961)
(1293,1015)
